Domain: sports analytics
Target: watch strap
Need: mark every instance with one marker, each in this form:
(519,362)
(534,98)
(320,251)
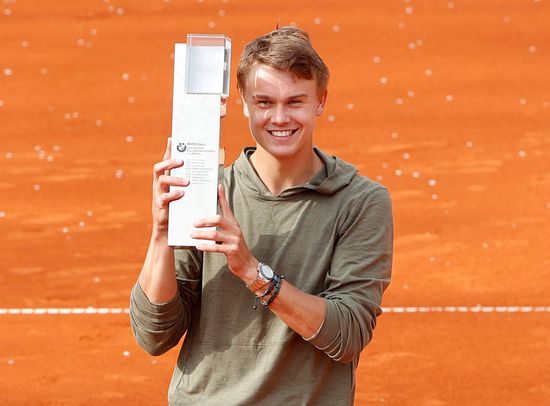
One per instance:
(259,282)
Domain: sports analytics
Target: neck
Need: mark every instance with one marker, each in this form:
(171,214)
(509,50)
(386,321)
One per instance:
(280,174)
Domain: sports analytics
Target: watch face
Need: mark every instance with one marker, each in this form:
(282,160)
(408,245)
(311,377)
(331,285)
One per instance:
(266,271)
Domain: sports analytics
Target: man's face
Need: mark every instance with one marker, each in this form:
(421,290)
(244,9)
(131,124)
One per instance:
(281,109)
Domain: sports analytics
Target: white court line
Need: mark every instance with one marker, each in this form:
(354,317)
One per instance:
(468,309)
(410,309)
(64,310)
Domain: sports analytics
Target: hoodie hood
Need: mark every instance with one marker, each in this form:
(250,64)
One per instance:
(335,175)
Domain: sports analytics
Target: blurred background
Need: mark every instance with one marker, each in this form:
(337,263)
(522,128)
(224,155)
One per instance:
(447,103)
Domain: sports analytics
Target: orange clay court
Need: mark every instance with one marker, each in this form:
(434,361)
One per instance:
(445,102)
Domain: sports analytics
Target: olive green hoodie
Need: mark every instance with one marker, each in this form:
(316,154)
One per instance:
(330,237)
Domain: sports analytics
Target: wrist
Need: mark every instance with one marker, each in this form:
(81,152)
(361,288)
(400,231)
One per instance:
(269,292)
(264,275)
(159,235)
(251,272)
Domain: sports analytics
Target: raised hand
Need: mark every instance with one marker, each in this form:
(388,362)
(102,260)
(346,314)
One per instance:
(162,195)
(230,240)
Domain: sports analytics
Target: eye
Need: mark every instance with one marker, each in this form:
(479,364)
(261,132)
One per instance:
(295,102)
(264,103)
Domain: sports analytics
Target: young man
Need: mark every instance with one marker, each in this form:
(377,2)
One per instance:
(289,209)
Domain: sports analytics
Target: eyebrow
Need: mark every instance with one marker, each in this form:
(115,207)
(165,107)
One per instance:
(265,96)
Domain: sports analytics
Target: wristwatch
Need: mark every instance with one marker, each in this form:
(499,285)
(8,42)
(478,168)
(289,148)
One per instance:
(265,275)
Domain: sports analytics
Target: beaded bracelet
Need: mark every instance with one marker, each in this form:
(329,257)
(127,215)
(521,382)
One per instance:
(275,291)
(272,284)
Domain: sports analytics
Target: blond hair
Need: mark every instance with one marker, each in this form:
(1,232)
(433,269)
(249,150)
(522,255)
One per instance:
(286,49)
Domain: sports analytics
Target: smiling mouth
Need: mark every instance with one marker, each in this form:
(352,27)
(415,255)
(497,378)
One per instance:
(282,133)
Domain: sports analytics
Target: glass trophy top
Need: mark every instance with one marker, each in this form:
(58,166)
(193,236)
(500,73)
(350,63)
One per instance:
(208,63)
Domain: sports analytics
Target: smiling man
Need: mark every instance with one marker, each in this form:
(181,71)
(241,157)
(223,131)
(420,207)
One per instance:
(252,335)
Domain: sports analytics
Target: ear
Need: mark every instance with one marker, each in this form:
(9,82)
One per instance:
(322,102)
(245,107)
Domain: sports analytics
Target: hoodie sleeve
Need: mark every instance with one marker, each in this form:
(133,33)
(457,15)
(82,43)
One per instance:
(360,272)
(158,327)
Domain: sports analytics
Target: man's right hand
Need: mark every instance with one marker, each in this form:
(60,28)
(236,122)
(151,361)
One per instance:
(162,195)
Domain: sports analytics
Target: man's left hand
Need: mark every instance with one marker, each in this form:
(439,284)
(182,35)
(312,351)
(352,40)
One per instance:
(230,241)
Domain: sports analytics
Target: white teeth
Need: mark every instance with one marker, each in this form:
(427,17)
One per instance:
(285,133)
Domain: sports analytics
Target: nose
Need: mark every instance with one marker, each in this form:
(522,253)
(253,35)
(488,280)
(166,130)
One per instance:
(279,115)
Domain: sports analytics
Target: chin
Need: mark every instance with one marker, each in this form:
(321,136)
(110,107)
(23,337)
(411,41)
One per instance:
(282,153)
